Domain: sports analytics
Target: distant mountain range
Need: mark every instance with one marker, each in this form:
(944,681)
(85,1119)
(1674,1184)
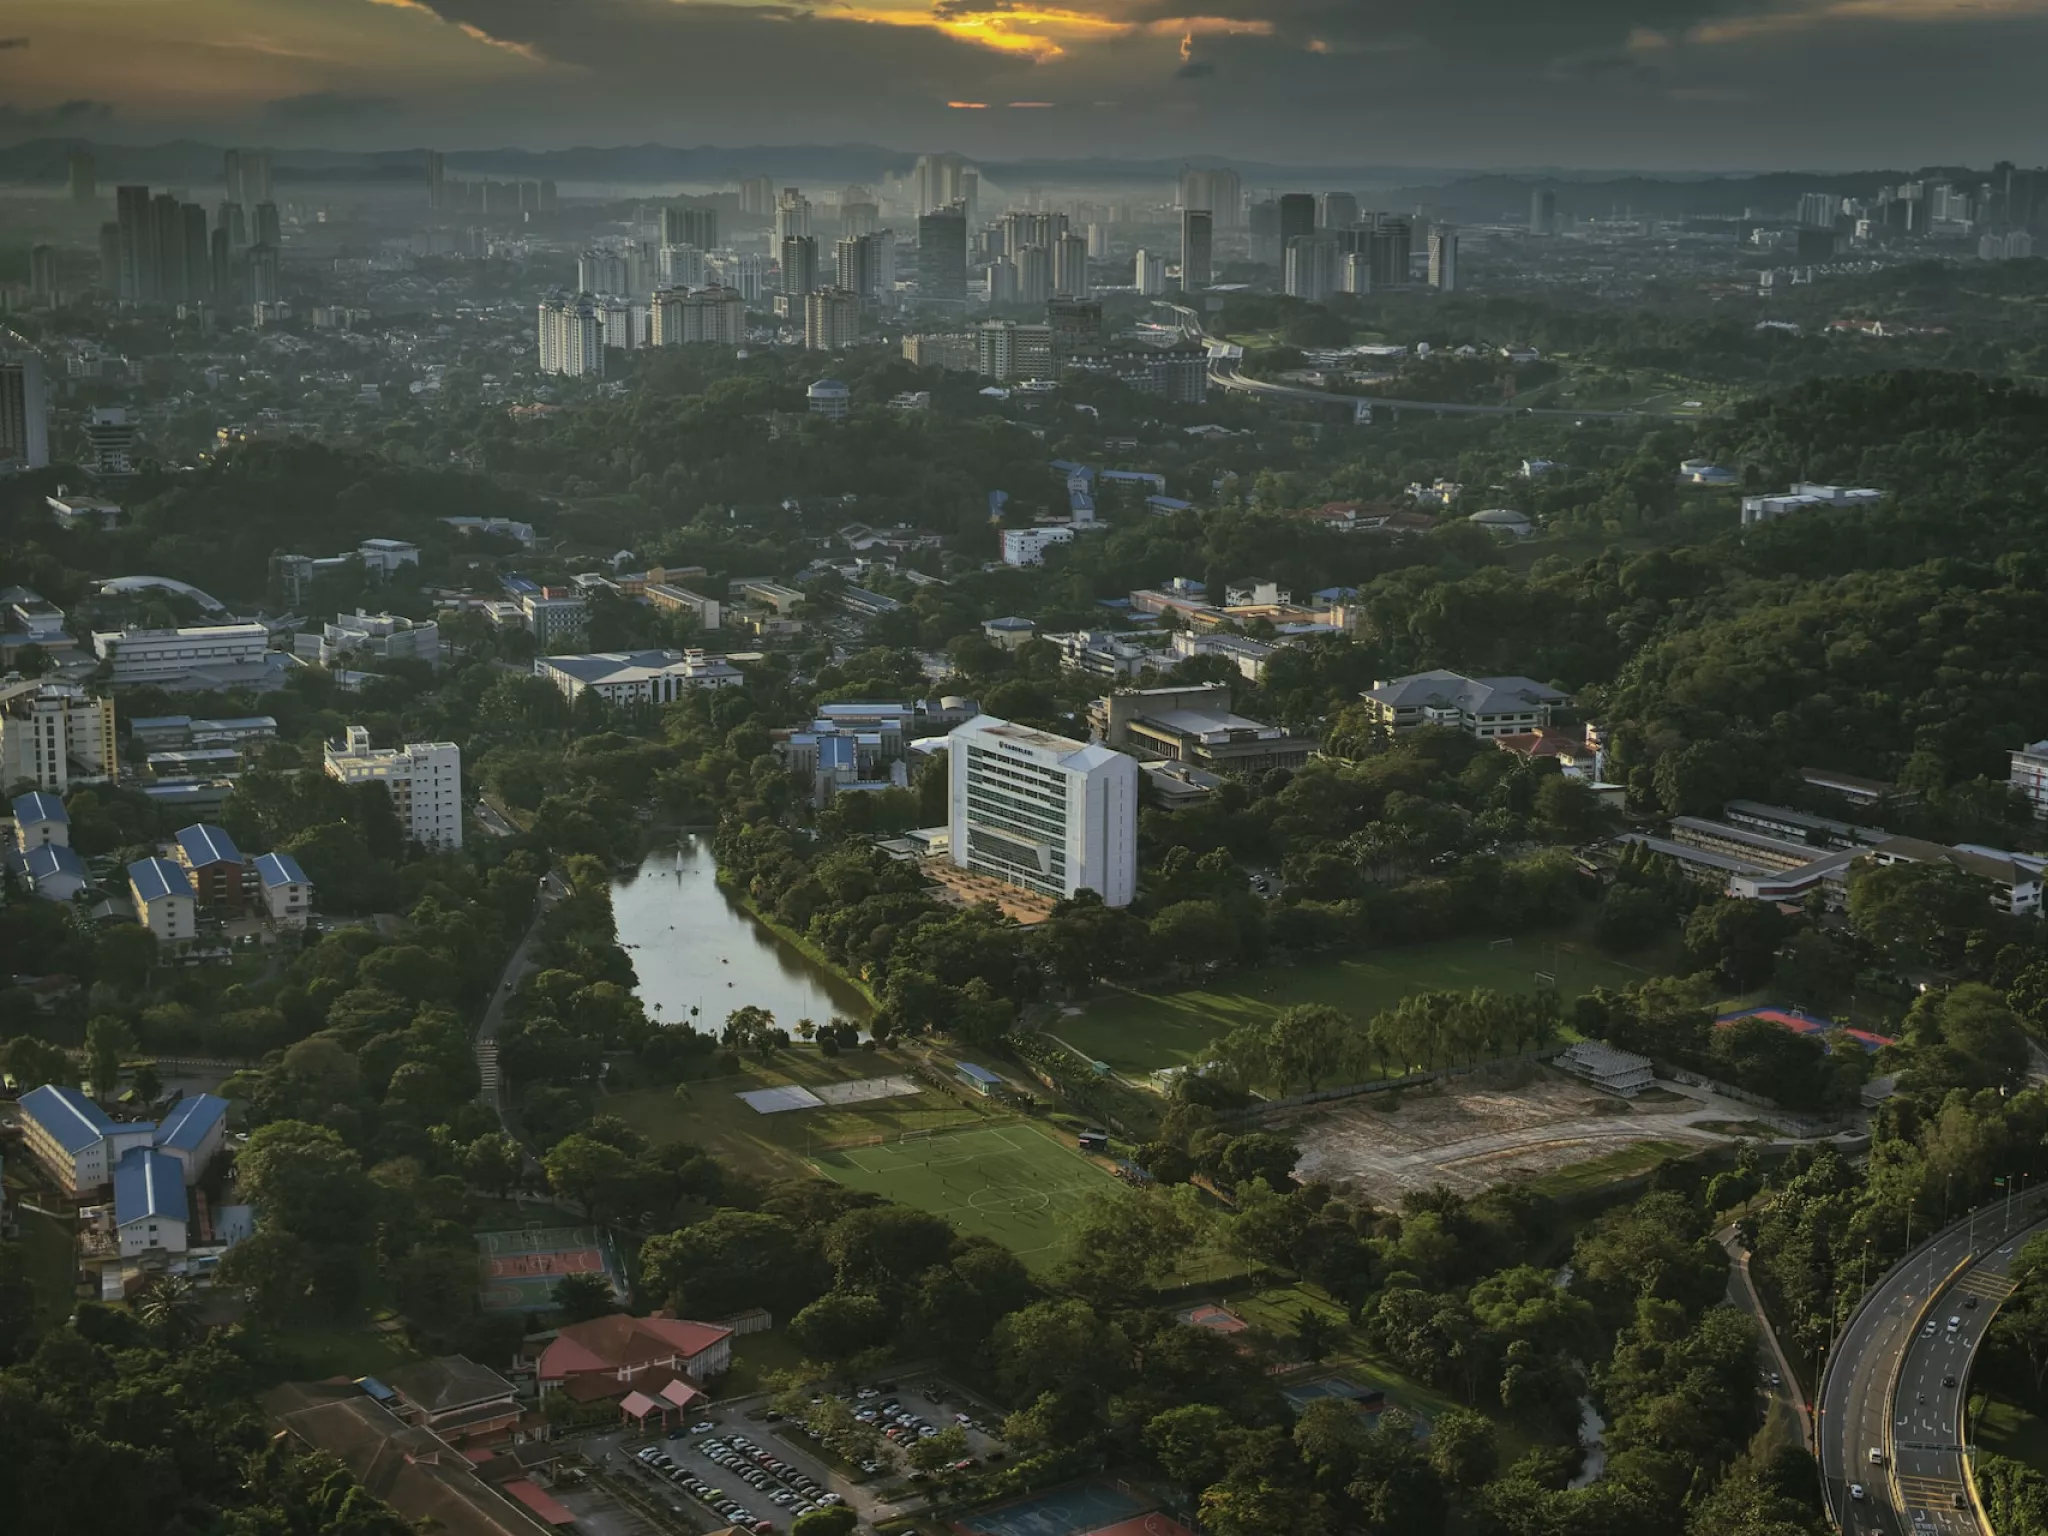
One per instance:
(1457,193)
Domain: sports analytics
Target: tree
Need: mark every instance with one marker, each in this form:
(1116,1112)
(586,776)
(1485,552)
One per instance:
(592,1173)
(886,1246)
(1922,913)
(840,1325)
(108,1040)
(935,1453)
(307,1181)
(1306,1044)
(579,1298)
(1314,1335)
(168,1307)
(833,1520)
(729,1261)
(1738,938)
(32,1062)
(18,1309)
(493,1162)
(275,1269)
(1462,1448)
(1187,1442)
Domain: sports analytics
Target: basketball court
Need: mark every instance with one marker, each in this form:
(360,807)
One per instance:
(518,1270)
(1010,1182)
(1092,1509)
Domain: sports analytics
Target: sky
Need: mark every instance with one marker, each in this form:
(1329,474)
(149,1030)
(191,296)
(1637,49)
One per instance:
(1642,84)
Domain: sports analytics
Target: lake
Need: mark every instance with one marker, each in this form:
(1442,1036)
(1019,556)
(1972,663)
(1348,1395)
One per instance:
(693,947)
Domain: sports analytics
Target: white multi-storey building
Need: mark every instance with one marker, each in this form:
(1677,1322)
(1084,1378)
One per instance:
(1043,812)
(571,338)
(423,777)
(637,677)
(168,655)
(1027,546)
(717,315)
(51,733)
(2029,775)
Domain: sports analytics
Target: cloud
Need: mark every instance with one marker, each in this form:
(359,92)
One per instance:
(17,122)
(9,44)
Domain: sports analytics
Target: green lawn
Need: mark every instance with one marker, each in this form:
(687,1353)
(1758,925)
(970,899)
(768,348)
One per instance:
(315,1352)
(1140,1032)
(756,1357)
(1009,1181)
(2009,1430)
(1610,1167)
(714,1117)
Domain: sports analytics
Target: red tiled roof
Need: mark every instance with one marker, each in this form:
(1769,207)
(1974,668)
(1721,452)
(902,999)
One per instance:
(549,1509)
(617,1342)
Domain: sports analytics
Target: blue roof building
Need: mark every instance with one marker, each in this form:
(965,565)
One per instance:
(150,1208)
(38,807)
(193,1126)
(203,843)
(155,879)
(56,871)
(67,1117)
(275,869)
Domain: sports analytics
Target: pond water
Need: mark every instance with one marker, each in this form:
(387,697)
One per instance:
(1593,1436)
(692,947)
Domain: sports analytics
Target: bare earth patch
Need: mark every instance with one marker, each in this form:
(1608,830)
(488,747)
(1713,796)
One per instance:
(1468,1135)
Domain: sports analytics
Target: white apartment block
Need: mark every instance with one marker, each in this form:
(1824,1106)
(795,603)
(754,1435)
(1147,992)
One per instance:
(571,338)
(637,677)
(424,779)
(1043,812)
(2029,775)
(167,655)
(51,733)
(1027,546)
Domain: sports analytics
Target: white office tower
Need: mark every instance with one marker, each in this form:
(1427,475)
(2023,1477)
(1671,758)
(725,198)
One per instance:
(24,412)
(1148,274)
(1356,275)
(1043,812)
(1443,260)
(603,272)
(1314,267)
(615,319)
(424,779)
(683,266)
(571,338)
(1070,266)
(938,181)
(1220,193)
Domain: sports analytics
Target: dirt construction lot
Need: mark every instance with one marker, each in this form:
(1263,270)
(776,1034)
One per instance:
(1476,1132)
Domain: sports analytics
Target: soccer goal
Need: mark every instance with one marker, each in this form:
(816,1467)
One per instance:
(1498,944)
(923,1135)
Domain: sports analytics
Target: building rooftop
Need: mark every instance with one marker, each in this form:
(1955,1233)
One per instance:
(1474,695)
(203,844)
(275,869)
(190,1121)
(73,1121)
(37,806)
(449,1382)
(154,878)
(149,1185)
(53,859)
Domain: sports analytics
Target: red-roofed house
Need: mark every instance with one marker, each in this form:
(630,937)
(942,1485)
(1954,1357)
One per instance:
(644,1352)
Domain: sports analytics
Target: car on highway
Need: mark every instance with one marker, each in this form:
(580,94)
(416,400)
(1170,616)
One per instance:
(1948,1381)
(1969,1302)
(1876,1456)
(1856,1492)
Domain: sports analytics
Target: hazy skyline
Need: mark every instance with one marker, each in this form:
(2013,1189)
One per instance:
(1677,84)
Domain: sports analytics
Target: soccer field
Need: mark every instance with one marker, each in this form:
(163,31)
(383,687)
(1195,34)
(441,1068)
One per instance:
(1011,1182)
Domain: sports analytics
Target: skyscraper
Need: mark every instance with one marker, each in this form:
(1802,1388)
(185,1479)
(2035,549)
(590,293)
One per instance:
(757,196)
(24,412)
(1339,211)
(265,281)
(1034,275)
(1002,281)
(1542,212)
(1297,216)
(1197,239)
(1314,266)
(1220,193)
(690,226)
(110,260)
(1443,259)
(196,258)
(1070,266)
(265,228)
(437,176)
(942,256)
(1817,210)
(602,272)
(716,315)
(831,320)
(231,174)
(42,274)
(1356,273)
(229,217)
(866,267)
(792,214)
(1148,274)
(220,267)
(859,215)
(84,177)
(1393,249)
(247,174)
(168,226)
(938,181)
(140,274)
(799,265)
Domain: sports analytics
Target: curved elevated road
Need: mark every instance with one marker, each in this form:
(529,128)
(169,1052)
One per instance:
(1887,1387)
(1224,373)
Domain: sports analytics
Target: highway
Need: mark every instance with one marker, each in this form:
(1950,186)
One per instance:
(1224,373)
(1898,1376)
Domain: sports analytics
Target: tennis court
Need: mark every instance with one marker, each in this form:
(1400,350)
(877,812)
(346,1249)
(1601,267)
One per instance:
(1011,1182)
(519,1269)
(1090,1507)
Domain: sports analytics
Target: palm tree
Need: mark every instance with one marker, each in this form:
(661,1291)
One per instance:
(168,1307)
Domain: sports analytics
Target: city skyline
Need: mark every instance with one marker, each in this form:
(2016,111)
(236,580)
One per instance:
(1677,84)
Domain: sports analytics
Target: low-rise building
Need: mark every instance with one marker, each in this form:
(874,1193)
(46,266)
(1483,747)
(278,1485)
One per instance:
(193,1133)
(200,656)
(1009,633)
(40,820)
(287,893)
(637,677)
(1479,706)
(150,1209)
(554,615)
(500,527)
(1101,653)
(424,779)
(633,1351)
(466,1404)
(74,510)
(387,556)
(164,901)
(75,1141)
(54,872)
(1195,725)
(1247,655)
(1805,496)
(671,598)
(1027,546)
(213,865)
(360,637)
